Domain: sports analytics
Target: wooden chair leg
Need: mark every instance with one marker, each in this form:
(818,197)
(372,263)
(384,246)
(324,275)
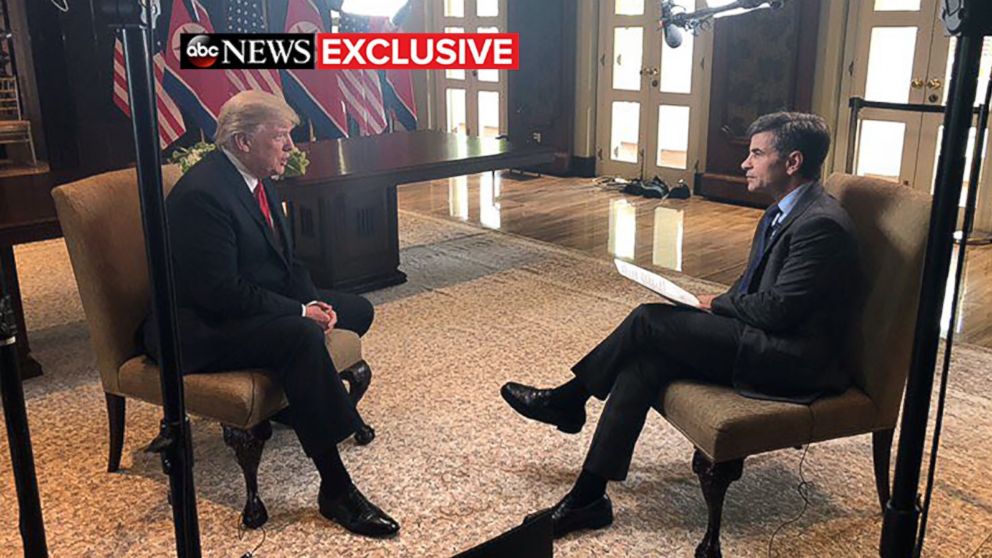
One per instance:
(714,479)
(115,419)
(881,451)
(247,446)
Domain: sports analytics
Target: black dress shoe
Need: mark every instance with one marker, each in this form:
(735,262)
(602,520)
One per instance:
(537,404)
(567,517)
(355,513)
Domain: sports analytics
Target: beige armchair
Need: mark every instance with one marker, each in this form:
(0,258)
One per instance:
(101,222)
(892,222)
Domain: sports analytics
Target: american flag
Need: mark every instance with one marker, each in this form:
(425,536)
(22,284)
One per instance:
(248,16)
(361,89)
(170,118)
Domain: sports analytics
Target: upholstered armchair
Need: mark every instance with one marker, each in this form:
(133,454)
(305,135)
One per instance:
(892,222)
(101,222)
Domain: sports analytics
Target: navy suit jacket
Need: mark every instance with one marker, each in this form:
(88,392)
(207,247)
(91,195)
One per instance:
(231,271)
(800,307)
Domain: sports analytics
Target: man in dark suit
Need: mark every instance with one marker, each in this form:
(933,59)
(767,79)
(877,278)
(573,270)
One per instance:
(774,335)
(245,302)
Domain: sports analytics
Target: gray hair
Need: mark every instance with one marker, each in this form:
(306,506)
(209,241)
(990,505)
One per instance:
(797,131)
(248,111)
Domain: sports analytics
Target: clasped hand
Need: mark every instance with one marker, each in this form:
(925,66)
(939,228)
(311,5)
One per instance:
(323,314)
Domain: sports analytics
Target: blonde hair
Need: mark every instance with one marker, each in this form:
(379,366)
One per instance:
(248,111)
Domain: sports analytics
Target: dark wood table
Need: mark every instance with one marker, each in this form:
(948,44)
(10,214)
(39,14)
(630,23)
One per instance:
(344,212)
(27,214)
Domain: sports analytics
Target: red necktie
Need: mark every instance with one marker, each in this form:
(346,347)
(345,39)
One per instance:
(263,204)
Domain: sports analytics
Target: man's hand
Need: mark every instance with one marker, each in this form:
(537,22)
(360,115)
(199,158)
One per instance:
(323,314)
(706,302)
(317,314)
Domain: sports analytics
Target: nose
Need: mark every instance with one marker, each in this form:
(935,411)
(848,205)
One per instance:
(746,163)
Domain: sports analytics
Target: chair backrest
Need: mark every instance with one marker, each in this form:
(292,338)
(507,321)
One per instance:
(892,223)
(101,222)
(10,105)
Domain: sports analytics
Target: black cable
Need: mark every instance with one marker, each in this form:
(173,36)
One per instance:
(241,537)
(969,215)
(802,488)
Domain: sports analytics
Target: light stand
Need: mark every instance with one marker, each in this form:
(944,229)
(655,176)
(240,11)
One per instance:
(173,442)
(899,530)
(31,524)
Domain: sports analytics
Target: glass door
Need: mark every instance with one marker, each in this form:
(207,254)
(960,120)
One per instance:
(471,102)
(649,95)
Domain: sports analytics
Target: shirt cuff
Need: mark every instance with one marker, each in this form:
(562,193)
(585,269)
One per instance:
(305,307)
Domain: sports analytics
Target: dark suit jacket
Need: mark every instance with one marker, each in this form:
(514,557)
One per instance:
(800,306)
(230,270)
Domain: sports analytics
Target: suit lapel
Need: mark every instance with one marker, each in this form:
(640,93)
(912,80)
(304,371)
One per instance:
(237,184)
(805,201)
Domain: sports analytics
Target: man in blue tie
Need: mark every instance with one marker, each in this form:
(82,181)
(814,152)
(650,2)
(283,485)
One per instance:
(775,334)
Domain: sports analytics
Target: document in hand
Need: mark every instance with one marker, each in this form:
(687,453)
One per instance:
(657,283)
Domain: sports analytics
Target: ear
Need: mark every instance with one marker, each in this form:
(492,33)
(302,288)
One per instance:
(242,142)
(793,163)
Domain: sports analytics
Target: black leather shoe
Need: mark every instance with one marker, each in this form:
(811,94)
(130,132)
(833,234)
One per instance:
(358,378)
(355,513)
(566,517)
(536,404)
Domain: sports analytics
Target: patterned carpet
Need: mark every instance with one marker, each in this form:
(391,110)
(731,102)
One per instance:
(451,462)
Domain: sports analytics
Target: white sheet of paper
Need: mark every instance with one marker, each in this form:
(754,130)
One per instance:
(656,283)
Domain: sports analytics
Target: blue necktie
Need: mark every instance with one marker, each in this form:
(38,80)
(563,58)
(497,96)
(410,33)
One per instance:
(765,232)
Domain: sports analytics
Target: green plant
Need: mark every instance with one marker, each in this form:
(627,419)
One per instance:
(186,157)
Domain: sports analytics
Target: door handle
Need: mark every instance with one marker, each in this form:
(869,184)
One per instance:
(917,83)
(934,83)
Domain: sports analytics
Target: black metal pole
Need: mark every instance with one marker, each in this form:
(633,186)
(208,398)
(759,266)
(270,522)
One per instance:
(177,455)
(899,529)
(31,524)
(852,134)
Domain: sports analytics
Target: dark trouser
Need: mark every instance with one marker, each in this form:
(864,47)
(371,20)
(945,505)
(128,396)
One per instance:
(292,349)
(655,344)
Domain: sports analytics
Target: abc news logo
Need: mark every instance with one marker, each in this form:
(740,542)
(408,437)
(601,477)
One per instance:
(240,51)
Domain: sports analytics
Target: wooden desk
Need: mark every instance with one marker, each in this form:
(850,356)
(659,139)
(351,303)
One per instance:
(27,214)
(344,213)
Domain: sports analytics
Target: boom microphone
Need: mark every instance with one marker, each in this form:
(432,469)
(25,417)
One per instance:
(673,35)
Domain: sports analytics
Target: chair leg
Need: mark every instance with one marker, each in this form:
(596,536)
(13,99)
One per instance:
(115,419)
(247,446)
(714,479)
(881,451)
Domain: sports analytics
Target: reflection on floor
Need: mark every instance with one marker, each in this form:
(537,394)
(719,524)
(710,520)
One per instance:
(701,238)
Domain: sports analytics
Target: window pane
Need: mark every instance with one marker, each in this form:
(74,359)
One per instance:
(968,157)
(454,8)
(897,5)
(487,8)
(880,149)
(626,127)
(673,136)
(491,76)
(456,111)
(454,74)
(623,229)
(627,51)
(668,230)
(488,114)
(629,7)
(890,64)
(676,66)
(984,67)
